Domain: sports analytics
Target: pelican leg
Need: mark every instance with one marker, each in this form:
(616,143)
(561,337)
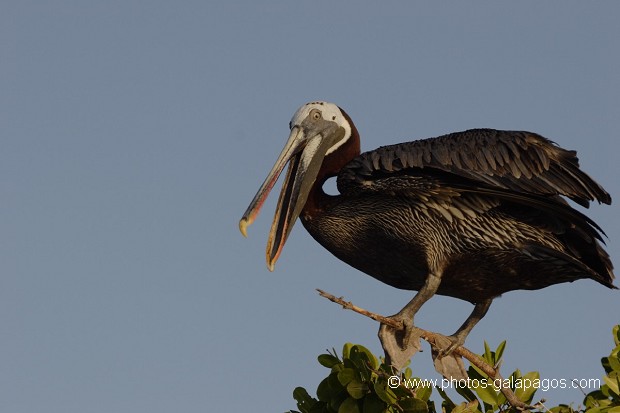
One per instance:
(426,292)
(400,345)
(458,338)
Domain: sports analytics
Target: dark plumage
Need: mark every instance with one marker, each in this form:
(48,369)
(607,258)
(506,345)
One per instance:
(481,207)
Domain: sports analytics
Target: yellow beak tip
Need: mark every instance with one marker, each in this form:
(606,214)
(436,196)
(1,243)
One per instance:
(243,225)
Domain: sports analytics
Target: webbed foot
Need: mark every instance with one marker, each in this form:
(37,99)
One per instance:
(399,345)
(446,363)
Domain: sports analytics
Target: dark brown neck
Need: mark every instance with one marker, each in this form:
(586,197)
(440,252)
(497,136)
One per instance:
(332,164)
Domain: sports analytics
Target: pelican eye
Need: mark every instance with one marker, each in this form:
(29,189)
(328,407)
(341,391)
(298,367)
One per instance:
(315,114)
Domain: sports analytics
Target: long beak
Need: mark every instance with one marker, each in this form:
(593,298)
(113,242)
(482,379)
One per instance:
(305,155)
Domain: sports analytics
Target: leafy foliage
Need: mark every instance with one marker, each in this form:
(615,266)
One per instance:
(359,383)
(607,398)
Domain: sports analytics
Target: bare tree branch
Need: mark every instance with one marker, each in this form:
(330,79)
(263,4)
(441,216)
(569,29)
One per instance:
(431,338)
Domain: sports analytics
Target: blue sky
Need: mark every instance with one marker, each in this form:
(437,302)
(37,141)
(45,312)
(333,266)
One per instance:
(134,134)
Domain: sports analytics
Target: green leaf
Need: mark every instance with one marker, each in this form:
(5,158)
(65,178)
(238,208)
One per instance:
(614,360)
(367,356)
(613,382)
(357,389)
(408,373)
(594,398)
(373,404)
(526,394)
(327,360)
(466,393)
(413,405)
(475,373)
(323,392)
(349,364)
(346,375)
(501,399)
(500,350)
(606,365)
(616,334)
(300,394)
(488,356)
(487,394)
(304,401)
(604,403)
(423,392)
(466,407)
(336,401)
(384,392)
(328,388)
(349,406)
(562,408)
(346,350)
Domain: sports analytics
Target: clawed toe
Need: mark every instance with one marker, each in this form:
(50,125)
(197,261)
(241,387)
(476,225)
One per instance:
(454,342)
(446,363)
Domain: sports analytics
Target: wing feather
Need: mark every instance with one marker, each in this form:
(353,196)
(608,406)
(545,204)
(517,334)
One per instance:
(518,161)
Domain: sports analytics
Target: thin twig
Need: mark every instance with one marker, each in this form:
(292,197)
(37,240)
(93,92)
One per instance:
(431,338)
(348,305)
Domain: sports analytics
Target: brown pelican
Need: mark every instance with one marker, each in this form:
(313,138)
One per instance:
(469,215)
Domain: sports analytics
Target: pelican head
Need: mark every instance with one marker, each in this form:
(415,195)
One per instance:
(317,129)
